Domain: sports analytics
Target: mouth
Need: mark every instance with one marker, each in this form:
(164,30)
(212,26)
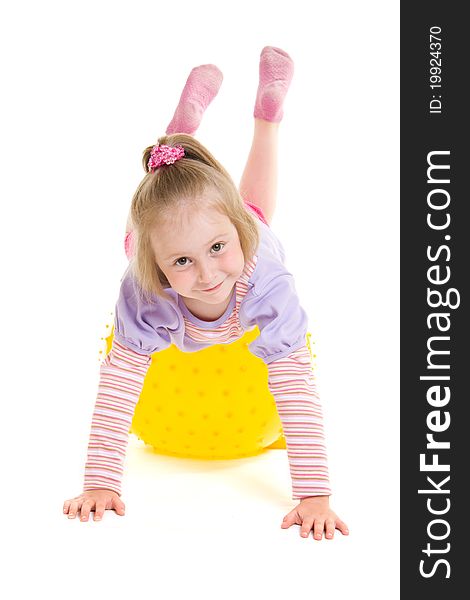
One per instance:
(213,289)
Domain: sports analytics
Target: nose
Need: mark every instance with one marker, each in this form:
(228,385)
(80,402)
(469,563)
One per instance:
(206,275)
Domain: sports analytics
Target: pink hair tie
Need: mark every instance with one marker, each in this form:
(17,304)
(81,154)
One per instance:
(164,155)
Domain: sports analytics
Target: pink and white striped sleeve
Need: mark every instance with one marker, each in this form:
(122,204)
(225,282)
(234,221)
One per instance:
(292,384)
(122,375)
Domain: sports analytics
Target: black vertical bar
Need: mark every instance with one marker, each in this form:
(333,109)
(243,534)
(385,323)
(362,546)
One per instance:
(434,259)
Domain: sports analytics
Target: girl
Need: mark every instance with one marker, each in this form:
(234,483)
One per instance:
(204,268)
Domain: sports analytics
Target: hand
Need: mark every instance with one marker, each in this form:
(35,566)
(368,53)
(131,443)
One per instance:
(98,500)
(315,512)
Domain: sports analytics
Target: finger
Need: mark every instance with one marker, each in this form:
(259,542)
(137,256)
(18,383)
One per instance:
(99,510)
(290,519)
(119,506)
(286,521)
(306,527)
(341,525)
(85,510)
(330,529)
(73,509)
(318,529)
(68,503)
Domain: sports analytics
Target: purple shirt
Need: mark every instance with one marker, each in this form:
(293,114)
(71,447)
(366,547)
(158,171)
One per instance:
(271,303)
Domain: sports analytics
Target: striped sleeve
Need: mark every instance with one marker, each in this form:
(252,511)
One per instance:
(292,384)
(121,381)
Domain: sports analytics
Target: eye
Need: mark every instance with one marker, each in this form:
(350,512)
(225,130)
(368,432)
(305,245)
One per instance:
(218,247)
(177,262)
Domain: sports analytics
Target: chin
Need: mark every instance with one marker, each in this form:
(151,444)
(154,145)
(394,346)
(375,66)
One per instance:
(218,300)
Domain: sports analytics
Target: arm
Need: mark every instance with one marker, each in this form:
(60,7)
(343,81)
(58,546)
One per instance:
(291,382)
(122,376)
(272,304)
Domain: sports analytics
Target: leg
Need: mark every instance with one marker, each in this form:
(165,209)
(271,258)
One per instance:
(200,89)
(129,239)
(259,180)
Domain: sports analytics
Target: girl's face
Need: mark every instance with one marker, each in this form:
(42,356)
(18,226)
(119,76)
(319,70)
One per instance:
(200,254)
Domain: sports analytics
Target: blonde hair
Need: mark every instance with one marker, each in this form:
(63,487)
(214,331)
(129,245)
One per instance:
(174,186)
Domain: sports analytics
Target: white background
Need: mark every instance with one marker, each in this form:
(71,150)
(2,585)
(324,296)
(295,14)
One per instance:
(86,87)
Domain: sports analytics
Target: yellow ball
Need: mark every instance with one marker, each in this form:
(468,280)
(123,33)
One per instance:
(211,404)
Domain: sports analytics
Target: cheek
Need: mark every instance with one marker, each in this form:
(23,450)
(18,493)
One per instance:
(234,261)
(174,277)
(179,279)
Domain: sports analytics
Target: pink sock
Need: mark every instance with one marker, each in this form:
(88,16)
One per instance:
(275,74)
(201,88)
